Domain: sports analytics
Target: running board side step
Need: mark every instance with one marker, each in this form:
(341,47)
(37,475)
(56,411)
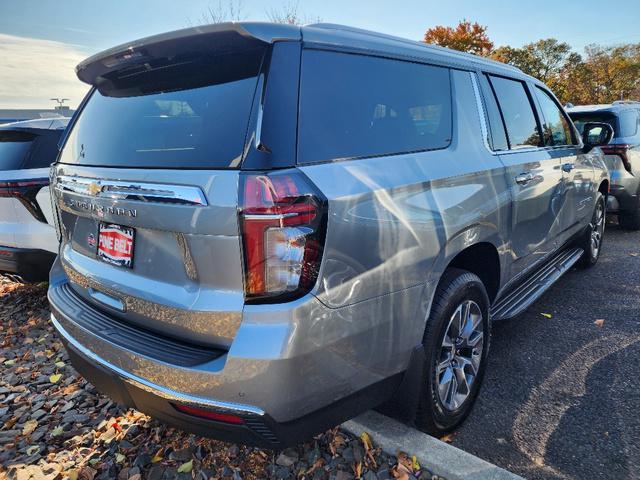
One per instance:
(519,299)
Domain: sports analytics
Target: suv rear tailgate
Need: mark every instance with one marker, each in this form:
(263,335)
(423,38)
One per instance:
(186,276)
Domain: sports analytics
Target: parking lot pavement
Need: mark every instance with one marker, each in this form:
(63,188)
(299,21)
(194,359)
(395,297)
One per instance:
(561,398)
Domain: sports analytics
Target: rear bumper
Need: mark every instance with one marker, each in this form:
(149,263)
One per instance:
(30,264)
(283,398)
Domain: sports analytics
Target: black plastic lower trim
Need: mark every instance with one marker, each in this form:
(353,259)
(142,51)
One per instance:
(65,302)
(257,430)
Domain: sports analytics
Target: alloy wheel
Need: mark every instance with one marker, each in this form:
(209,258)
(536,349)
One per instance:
(460,354)
(597,230)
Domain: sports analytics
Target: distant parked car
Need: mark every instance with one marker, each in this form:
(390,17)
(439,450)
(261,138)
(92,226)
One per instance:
(28,242)
(622,155)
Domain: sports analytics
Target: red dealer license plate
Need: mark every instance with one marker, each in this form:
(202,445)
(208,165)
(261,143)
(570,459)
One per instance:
(115,244)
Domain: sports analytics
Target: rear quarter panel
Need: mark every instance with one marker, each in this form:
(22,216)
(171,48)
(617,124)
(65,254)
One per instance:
(395,223)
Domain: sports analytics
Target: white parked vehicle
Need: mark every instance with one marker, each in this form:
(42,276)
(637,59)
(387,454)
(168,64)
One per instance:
(28,242)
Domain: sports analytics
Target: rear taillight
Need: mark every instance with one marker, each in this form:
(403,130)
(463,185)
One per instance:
(620,150)
(25,191)
(283,224)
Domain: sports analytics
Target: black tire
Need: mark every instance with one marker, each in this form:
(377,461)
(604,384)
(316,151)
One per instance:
(630,220)
(455,288)
(596,226)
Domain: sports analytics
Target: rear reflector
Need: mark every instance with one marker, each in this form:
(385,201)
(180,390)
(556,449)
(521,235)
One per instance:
(283,220)
(208,414)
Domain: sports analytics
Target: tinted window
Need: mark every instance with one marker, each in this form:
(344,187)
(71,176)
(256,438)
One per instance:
(628,120)
(359,106)
(579,119)
(139,126)
(496,126)
(556,127)
(519,119)
(14,147)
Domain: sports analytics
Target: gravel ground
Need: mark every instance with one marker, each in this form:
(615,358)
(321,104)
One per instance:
(54,425)
(561,396)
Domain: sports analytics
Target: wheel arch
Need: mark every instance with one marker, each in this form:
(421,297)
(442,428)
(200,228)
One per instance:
(483,260)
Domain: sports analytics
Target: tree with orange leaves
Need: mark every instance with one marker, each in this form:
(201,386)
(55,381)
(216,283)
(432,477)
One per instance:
(466,37)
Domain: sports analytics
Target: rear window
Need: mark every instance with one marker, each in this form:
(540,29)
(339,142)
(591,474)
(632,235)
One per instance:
(519,119)
(579,119)
(360,106)
(14,147)
(158,123)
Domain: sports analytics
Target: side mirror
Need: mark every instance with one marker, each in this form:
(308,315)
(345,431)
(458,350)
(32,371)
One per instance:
(596,134)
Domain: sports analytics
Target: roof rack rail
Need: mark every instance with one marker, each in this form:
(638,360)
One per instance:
(622,102)
(362,31)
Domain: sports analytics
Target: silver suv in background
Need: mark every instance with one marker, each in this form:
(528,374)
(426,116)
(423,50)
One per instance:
(622,155)
(267,229)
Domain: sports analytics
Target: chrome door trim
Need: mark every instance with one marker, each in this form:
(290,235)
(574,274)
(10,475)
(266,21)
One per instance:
(146,192)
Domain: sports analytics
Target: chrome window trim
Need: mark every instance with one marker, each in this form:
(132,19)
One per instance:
(482,113)
(146,192)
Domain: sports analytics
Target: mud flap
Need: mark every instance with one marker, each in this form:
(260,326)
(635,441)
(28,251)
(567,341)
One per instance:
(403,405)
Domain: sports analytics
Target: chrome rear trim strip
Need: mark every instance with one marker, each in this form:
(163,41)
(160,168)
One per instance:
(145,192)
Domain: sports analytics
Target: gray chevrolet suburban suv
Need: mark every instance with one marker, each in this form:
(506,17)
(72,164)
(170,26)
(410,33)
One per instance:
(268,229)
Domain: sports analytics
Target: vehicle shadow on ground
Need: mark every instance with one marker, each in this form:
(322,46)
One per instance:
(559,399)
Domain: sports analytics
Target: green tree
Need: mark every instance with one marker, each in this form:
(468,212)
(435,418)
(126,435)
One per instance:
(544,59)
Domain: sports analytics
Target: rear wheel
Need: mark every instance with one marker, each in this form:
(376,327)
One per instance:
(456,343)
(593,237)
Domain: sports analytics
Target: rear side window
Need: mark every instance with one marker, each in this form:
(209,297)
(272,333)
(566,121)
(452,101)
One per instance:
(163,122)
(579,119)
(556,127)
(14,147)
(519,119)
(360,106)
(628,120)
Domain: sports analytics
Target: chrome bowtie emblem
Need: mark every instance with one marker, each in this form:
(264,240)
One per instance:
(94,188)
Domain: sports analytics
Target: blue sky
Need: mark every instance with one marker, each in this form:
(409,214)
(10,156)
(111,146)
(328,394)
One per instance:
(49,35)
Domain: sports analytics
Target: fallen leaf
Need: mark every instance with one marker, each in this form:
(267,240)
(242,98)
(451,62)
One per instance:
(448,438)
(186,467)
(116,426)
(33,449)
(415,465)
(157,457)
(357,469)
(86,473)
(599,322)
(8,363)
(634,254)
(120,458)
(55,378)
(29,427)
(56,432)
(61,364)
(546,315)
(366,440)
(72,474)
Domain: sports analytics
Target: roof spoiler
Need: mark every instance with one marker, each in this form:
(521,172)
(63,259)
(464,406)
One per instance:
(220,37)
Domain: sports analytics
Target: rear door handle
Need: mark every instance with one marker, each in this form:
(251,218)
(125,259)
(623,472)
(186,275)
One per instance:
(567,167)
(524,178)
